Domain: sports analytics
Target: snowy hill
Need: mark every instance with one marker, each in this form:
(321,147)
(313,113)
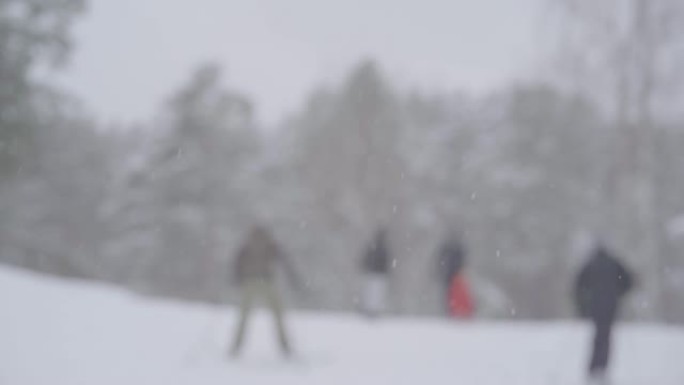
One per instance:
(59,332)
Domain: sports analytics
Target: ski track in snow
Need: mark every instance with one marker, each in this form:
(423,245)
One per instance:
(60,332)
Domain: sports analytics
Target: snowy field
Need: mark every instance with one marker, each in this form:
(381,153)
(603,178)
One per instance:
(69,333)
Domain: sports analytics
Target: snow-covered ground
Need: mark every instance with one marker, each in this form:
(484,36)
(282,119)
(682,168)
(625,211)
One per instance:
(58,332)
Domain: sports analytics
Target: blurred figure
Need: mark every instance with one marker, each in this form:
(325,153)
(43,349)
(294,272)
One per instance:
(375,266)
(254,270)
(600,286)
(459,303)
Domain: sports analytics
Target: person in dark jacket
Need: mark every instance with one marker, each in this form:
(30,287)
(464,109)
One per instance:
(450,261)
(456,291)
(253,271)
(375,265)
(601,284)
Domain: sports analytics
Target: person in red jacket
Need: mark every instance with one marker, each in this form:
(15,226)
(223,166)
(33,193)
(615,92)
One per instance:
(460,300)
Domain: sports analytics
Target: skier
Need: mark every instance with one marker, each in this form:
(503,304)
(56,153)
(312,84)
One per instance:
(451,262)
(600,285)
(253,271)
(375,266)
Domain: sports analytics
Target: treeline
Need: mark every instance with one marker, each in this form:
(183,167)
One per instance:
(528,176)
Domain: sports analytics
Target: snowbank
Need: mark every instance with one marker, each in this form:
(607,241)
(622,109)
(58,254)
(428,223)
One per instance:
(59,332)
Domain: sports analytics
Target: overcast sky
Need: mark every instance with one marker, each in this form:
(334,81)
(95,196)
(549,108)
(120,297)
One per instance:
(131,54)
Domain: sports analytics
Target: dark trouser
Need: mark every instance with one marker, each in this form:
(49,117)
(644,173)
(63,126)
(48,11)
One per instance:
(601,349)
(265,291)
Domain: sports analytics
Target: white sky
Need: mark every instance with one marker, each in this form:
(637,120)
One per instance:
(131,54)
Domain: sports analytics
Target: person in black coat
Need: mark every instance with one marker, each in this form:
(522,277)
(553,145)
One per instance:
(376,258)
(601,284)
(375,265)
